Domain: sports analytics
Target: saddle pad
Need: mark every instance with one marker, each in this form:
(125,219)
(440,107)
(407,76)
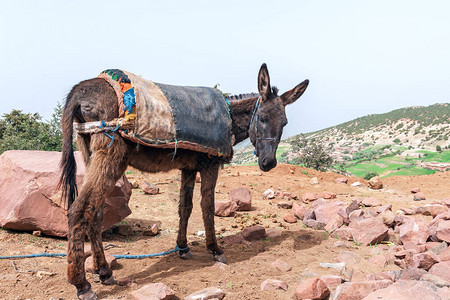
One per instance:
(168,116)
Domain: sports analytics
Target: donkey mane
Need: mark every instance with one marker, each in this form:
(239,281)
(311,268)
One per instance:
(242,96)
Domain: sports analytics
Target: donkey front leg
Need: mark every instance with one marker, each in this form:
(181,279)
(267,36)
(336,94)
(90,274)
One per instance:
(185,209)
(209,178)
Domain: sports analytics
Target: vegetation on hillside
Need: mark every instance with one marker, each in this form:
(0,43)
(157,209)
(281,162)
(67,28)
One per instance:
(27,131)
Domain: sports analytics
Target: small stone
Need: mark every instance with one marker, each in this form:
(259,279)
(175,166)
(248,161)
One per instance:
(435,280)
(206,294)
(310,197)
(314,181)
(443,231)
(342,180)
(328,195)
(254,233)
(425,260)
(150,188)
(154,291)
(37,233)
(242,197)
(356,183)
(341,244)
(234,239)
(221,266)
(281,265)
(299,210)
(152,231)
(415,190)
(371,202)
(290,218)
(356,215)
(312,288)
(388,218)
(384,208)
(225,208)
(336,266)
(332,281)
(344,233)
(375,183)
(284,204)
(419,196)
(135,185)
(89,262)
(411,274)
(333,224)
(273,284)
(273,233)
(269,194)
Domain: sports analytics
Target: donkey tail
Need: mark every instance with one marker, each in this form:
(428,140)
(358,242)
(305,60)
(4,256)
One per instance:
(68,164)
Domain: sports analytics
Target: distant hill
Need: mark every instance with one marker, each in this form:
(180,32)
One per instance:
(412,133)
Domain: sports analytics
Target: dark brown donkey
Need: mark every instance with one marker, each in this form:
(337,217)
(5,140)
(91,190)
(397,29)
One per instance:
(260,118)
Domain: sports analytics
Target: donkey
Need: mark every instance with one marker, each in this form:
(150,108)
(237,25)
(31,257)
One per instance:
(260,118)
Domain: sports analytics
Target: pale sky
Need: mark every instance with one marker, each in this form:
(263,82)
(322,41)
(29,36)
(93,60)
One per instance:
(361,57)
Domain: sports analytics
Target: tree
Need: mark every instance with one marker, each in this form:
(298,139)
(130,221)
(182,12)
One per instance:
(311,153)
(27,131)
(438,148)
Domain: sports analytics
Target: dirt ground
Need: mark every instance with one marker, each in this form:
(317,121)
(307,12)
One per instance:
(249,265)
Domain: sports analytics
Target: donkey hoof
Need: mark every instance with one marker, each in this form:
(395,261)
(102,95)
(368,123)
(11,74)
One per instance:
(220,258)
(109,281)
(186,255)
(89,295)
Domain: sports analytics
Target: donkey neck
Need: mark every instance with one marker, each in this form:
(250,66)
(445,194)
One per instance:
(241,113)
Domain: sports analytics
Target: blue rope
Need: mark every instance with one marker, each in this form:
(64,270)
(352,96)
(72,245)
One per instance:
(258,102)
(103,124)
(176,249)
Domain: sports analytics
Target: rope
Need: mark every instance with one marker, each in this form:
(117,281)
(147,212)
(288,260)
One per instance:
(103,125)
(258,102)
(176,249)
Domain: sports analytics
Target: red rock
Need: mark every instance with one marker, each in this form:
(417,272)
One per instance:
(419,196)
(328,195)
(431,245)
(153,291)
(348,258)
(284,204)
(358,289)
(208,293)
(358,275)
(443,231)
(89,262)
(431,209)
(234,239)
(370,202)
(254,233)
(414,230)
(273,284)
(152,231)
(341,244)
(242,197)
(342,180)
(299,210)
(415,190)
(326,211)
(273,233)
(312,288)
(444,292)
(378,260)
(445,255)
(150,188)
(375,183)
(384,208)
(356,215)
(441,269)
(335,222)
(411,274)
(425,260)
(310,197)
(446,202)
(309,215)
(387,275)
(29,198)
(314,224)
(435,280)
(369,231)
(344,233)
(224,208)
(388,218)
(290,218)
(281,265)
(408,211)
(332,281)
(404,290)
(288,195)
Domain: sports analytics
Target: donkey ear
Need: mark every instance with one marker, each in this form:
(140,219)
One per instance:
(264,82)
(292,95)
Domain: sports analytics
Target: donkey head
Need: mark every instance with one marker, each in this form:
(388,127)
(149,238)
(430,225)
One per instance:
(269,118)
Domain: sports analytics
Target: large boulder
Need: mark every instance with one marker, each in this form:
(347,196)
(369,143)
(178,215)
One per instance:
(30,200)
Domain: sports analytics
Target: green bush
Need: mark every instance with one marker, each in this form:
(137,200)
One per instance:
(369,175)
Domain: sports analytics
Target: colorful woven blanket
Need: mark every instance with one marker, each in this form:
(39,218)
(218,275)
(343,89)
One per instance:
(167,116)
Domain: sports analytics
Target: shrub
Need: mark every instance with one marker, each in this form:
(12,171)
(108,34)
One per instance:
(370,175)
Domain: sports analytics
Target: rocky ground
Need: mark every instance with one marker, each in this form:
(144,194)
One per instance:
(310,236)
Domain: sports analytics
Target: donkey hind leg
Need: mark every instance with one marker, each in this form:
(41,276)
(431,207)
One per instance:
(209,178)
(105,168)
(185,209)
(101,266)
